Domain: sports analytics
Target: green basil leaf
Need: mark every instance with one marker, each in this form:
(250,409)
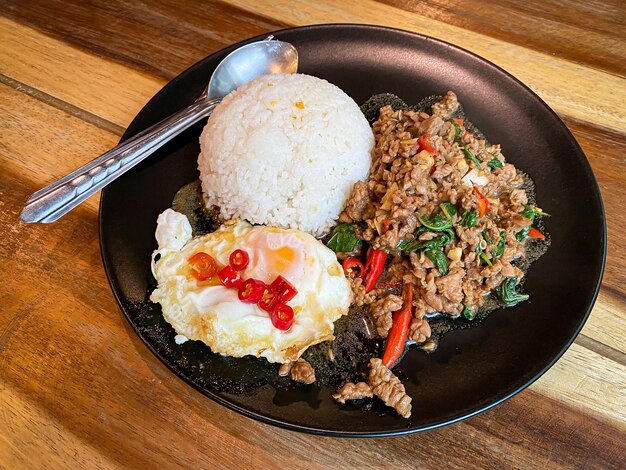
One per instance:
(470,156)
(506,294)
(343,239)
(402,244)
(469,218)
(450,233)
(469,312)
(529,212)
(448,209)
(458,132)
(437,223)
(436,242)
(522,234)
(495,163)
(438,257)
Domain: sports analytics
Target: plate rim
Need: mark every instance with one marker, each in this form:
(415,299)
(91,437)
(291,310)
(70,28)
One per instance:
(129,132)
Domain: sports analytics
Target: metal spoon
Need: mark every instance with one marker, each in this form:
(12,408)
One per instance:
(239,67)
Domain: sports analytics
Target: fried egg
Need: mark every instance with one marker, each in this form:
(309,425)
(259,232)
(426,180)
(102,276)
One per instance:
(209,312)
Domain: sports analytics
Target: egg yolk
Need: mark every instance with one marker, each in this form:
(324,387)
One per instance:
(281,259)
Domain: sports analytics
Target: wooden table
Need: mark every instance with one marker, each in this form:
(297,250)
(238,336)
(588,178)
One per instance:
(79,389)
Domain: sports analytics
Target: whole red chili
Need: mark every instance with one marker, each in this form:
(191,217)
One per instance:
(352,268)
(399,331)
(229,277)
(238,260)
(251,291)
(282,316)
(283,288)
(374,267)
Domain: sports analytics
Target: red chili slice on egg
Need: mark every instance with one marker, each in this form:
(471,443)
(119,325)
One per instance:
(229,277)
(238,260)
(251,291)
(203,266)
(269,300)
(283,288)
(282,316)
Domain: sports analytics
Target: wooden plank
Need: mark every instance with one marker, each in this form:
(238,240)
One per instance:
(606,152)
(588,33)
(562,84)
(42,144)
(587,381)
(606,323)
(102,87)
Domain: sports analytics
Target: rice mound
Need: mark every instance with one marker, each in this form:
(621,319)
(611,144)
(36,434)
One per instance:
(284,150)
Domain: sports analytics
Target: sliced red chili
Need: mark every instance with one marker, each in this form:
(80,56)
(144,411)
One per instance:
(203,266)
(484,205)
(374,267)
(399,331)
(424,142)
(269,300)
(534,233)
(282,316)
(458,121)
(238,260)
(251,291)
(229,277)
(386,225)
(352,268)
(283,288)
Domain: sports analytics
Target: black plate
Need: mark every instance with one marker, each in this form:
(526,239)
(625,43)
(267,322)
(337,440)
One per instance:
(473,369)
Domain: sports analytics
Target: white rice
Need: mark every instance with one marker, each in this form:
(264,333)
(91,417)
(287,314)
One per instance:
(285,151)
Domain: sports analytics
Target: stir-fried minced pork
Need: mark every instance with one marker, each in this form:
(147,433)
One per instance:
(351,391)
(388,388)
(447,209)
(299,371)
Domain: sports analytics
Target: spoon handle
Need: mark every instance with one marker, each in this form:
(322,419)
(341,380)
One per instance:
(54,201)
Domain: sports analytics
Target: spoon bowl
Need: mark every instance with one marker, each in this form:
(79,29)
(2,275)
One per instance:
(239,67)
(249,62)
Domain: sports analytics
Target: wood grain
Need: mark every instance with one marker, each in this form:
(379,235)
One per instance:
(79,389)
(174,34)
(588,33)
(66,73)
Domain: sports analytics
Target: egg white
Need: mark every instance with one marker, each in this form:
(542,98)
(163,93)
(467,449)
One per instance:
(209,312)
